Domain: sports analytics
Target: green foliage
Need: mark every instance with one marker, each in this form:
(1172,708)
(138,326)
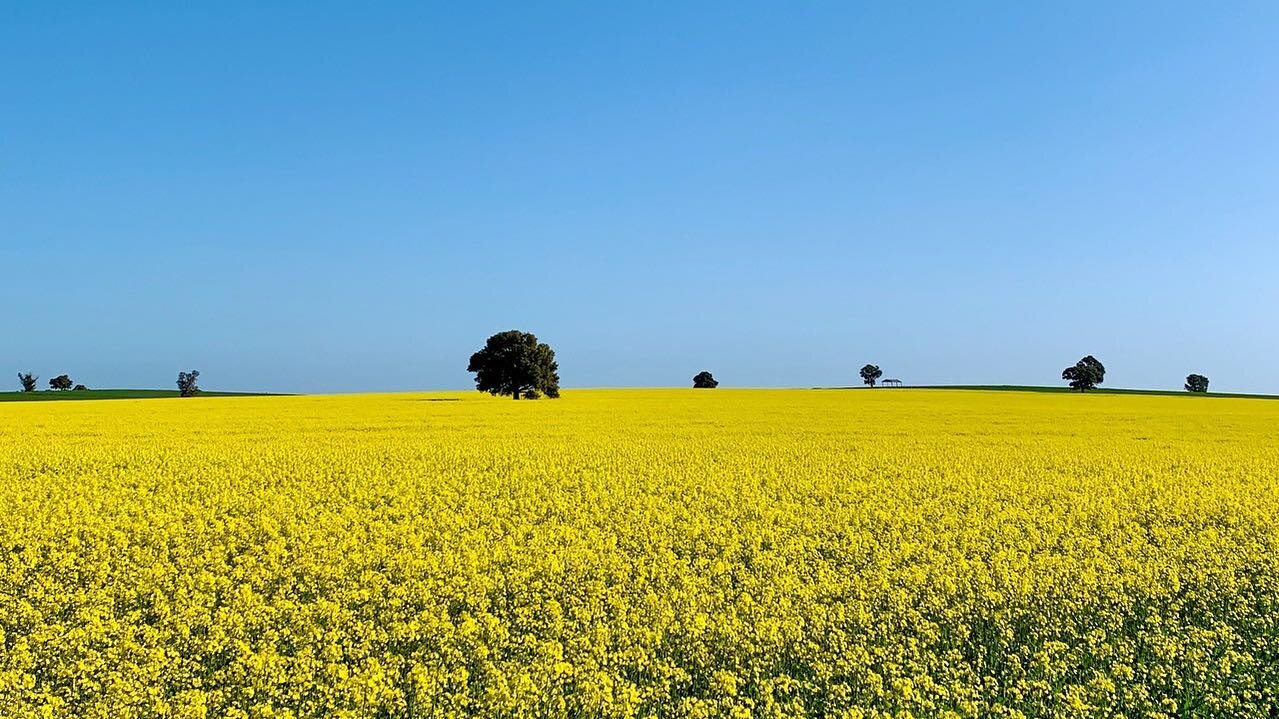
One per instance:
(1086,374)
(61,382)
(1196,383)
(28,380)
(515,363)
(187,386)
(870,373)
(704,380)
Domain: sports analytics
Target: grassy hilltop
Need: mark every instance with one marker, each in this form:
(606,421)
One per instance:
(51,395)
(1067,390)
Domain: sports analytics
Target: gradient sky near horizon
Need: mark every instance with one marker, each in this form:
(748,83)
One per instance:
(325,197)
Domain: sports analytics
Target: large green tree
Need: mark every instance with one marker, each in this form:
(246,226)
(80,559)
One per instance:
(1196,383)
(1086,374)
(704,380)
(870,373)
(515,363)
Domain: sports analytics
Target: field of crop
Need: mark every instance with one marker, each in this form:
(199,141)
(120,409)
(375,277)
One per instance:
(674,553)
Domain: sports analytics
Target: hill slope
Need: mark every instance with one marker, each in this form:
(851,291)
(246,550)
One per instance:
(1067,390)
(52,395)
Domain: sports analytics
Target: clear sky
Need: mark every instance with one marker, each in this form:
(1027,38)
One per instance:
(343,197)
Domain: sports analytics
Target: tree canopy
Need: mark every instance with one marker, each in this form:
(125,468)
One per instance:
(514,363)
(28,380)
(187,386)
(870,373)
(1196,383)
(1086,374)
(704,380)
(61,382)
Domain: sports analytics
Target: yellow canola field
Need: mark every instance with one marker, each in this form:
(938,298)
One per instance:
(637,553)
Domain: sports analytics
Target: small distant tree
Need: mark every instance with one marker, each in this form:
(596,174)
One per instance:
(1086,374)
(28,381)
(61,382)
(187,383)
(80,387)
(514,363)
(704,380)
(1196,383)
(870,373)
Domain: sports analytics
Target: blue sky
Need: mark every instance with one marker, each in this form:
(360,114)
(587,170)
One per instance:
(343,197)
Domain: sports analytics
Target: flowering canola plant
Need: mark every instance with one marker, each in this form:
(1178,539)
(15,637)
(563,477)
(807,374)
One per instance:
(641,553)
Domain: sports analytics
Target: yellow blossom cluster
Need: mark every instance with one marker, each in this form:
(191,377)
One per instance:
(641,553)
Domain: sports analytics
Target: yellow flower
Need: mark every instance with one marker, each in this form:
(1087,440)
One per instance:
(640,553)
